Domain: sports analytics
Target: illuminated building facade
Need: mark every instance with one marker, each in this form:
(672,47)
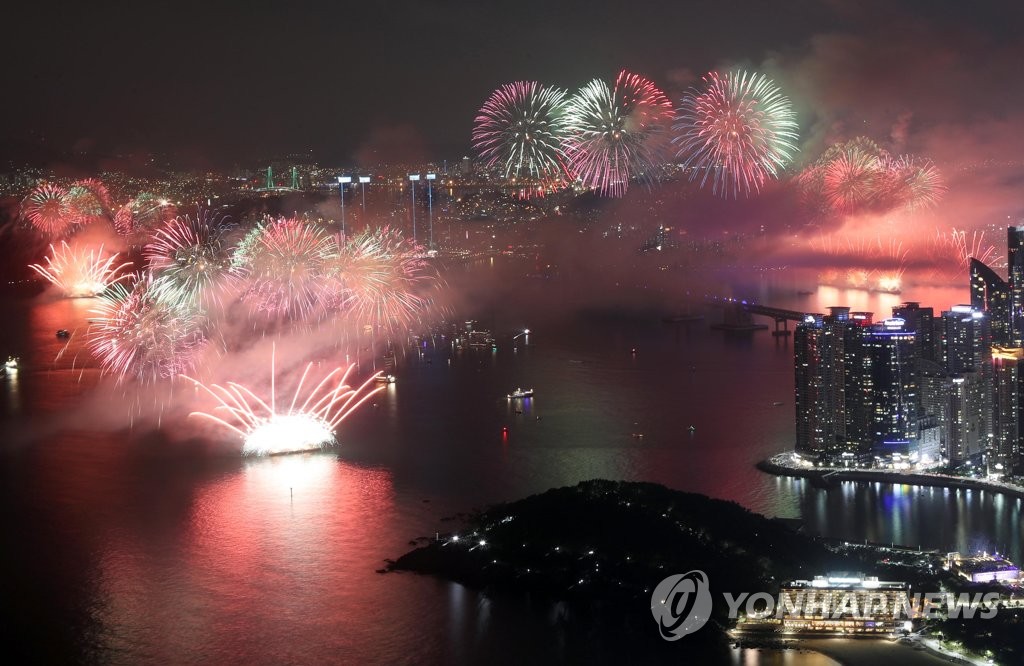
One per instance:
(1008,372)
(843,605)
(1015,269)
(991,293)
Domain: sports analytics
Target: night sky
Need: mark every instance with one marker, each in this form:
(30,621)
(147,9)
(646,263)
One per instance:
(214,84)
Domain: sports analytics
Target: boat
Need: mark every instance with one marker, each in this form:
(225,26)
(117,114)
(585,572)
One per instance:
(386,379)
(12,364)
(520,393)
(778,403)
(63,333)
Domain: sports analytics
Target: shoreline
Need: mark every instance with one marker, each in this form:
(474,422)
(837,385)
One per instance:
(817,476)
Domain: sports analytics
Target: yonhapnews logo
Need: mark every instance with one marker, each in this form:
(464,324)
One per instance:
(681,604)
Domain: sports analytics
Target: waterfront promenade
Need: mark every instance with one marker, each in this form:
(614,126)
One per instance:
(789,464)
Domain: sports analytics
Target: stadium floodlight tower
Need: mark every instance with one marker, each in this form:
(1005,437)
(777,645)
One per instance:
(430,207)
(342,181)
(413,177)
(364,182)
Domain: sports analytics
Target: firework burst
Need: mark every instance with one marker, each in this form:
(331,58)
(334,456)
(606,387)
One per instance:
(81,272)
(268,429)
(88,200)
(617,133)
(520,129)
(859,177)
(284,262)
(737,130)
(136,335)
(191,260)
(48,209)
(377,275)
(850,181)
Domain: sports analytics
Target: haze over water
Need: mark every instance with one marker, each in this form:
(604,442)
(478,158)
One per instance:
(134,546)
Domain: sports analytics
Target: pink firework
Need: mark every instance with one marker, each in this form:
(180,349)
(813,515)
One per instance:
(378,276)
(737,130)
(48,208)
(284,262)
(309,422)
(136,335)
(81,272)
(850,181)
(920,183)
(618,133)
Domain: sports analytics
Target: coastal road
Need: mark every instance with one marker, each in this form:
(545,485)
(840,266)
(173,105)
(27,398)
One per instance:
(870,652)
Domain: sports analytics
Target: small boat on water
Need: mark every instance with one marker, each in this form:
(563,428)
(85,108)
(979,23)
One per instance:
(386,379)
(63,333)
(520,393)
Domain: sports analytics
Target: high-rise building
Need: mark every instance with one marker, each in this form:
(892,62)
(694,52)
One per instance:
(991,293)
(896,400)
(815,428)
(966,348)
(970,410)
(922,322)
(1008,374)
(1015,273)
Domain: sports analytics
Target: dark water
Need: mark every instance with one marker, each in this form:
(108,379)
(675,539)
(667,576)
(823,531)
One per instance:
(134,547)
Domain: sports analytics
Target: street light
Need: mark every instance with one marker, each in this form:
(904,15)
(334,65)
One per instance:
(363,182)
(413,177)
(342,180)
(430,207)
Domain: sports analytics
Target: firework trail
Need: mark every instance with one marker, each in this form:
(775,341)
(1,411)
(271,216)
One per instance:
(737,131)
(520,129)
(191,261)
(48,209)
(136,335)
(618,133)
(376,275)
(269,429)
(284,263)
(79,271)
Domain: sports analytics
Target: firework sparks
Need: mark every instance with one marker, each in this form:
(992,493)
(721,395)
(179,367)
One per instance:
(48,209)
(737,131)
(191,260)
(266,429)
(859,177)
(88,200)
(81,272)
(520,129)
(377,274)
(618,133)
(285,262)
(136,335)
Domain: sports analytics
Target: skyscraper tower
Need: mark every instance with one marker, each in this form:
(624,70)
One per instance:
(1015,273)
(967,353)
(991,293)
(1008,374)
(922,322)
(892,348)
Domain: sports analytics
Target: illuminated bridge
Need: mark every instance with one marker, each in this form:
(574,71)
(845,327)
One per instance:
(738,315)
